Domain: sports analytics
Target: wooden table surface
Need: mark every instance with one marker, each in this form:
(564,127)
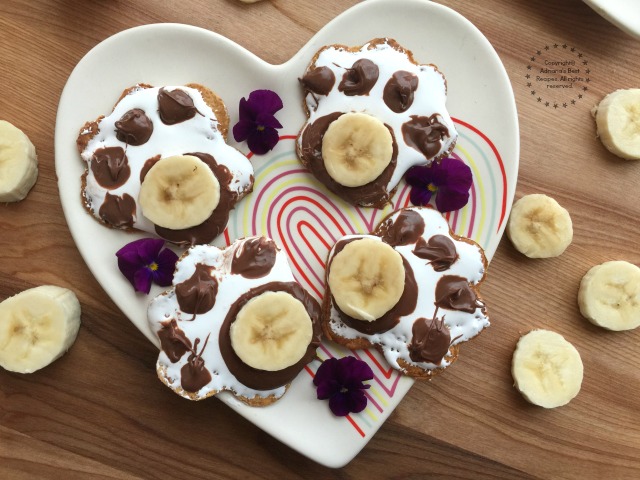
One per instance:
(100,410)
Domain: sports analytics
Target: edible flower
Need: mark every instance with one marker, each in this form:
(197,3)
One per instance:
(258,124)
(340,381)
(145,261)
(449,180)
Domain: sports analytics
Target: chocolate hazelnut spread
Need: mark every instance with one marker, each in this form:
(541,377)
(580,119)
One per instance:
(255,259)
(198,293)
(118,211)
(110,167)
(262,379)
(319,80)
(360,78)
(134,127)
(430,342)
(175,106)
(194,374)
(454,293)
(373,193)
(406,229)
(147,166)
(405,306)
(440,249)
(215,224)
(398,92)
(173,341)
(425,134)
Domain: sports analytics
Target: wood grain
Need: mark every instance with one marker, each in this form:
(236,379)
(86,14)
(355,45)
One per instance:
(100,412)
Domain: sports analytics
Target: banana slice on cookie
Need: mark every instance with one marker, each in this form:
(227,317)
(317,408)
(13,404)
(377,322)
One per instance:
(37,326)
(618,123)
(18,163)
(366,278)
(609,295)
(272,331)
(356,149)
(179,192)
(539,227)
(546,369)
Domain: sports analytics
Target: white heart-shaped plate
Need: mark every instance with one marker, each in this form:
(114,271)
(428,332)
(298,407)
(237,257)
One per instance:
(287,204)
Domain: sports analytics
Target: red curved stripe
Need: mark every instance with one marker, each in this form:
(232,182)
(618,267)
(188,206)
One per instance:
(503,210)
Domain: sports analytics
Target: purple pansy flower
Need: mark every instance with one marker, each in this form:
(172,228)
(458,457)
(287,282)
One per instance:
(144,261)
(257,124)
(340,381)
(449,179)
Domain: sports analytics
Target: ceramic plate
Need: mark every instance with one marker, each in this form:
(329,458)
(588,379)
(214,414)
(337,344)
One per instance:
(287,204)
(624,14)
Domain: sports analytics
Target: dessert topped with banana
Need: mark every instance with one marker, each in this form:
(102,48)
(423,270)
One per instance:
(160,163)
(234,320)
(410,289)
(374,112)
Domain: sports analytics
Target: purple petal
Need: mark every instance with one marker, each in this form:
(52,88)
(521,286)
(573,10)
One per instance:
(146,249)
(357,401)
(448,200)
(339,404)
(353,372)
(142,280)
(459,176)
(166,262)
(420,196)
(242,130)
(128,268)
(268,120)
(419,176)
(246,111)
(260,142)
(265,101)
(326,371)
(327,389)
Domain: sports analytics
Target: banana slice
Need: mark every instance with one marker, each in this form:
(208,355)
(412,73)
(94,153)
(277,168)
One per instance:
(618,123)
(609,295)
(37,326)
(18,163)
(546,369)
(539,227)
(356,148)
(179,192)
(366,279)
(271,332)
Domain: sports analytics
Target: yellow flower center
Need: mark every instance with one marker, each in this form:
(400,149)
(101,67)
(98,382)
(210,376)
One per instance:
(260,128)
(153,267)
(432,188)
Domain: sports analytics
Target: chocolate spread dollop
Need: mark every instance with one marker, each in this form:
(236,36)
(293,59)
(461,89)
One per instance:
(398,92)
(425,134)
(175,106)
(215,224)
(118,211)
(255,259)
(360,78)
(194,374)
(197,294)
(407,228)
(134,127)
(262,379)
(430,342)
(110,167)
(319,80)
(310,152)
(405,306)
(440,249)
(173,340)
(454,293)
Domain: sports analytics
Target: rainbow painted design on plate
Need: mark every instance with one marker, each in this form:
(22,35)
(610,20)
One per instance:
(289,205)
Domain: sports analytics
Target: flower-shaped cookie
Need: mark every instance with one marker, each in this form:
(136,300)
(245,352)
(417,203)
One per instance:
(159,162)
(234,320)
(373,113)
(410,289)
